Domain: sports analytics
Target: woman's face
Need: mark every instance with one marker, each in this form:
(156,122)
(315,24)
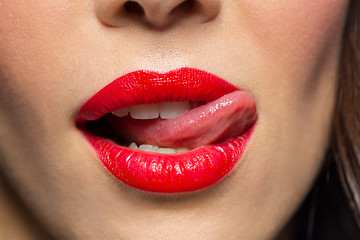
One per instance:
(55,55)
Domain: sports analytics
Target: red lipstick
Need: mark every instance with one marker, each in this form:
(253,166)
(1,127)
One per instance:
(216,132)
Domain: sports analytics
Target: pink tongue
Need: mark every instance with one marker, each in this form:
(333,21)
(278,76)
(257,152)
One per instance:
(226,117)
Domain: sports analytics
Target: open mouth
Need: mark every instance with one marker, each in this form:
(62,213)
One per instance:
(146,127)
(169,132)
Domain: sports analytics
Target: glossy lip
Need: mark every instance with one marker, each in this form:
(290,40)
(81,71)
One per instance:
(162,173)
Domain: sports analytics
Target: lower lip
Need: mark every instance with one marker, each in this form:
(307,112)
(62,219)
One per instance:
(173,173)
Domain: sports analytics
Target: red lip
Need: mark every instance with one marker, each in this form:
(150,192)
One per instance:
(173,173)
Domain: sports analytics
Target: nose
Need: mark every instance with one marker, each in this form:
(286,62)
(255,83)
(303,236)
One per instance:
(157,13)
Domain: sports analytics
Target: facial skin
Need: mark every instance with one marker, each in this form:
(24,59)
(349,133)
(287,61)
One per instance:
(54,55)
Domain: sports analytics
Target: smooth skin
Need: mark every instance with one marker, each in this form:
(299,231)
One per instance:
(54,55)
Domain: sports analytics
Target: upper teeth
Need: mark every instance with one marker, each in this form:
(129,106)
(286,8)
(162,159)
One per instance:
(152,148)
(166,110)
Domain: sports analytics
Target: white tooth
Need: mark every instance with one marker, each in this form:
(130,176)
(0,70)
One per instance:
(169,110)
(149,111)
(133,146)
(181,150)
(122,112)
(166,150)
(148,148)
(152,148)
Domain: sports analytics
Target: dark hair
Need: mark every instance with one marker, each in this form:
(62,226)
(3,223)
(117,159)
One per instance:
(347,122)
(332,209)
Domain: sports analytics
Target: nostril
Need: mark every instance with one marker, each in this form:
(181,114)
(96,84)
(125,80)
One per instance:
(184,7)
(133,7)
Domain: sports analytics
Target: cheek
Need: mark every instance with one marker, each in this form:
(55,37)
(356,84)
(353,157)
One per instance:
(26,36)
(292,65)
(34,70)
(33,38)
(299,44)
(296,36)
(301,51)
(294,47)
(34,62)
(303,24)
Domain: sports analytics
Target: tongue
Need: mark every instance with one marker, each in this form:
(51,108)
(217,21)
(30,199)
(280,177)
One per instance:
(229,116)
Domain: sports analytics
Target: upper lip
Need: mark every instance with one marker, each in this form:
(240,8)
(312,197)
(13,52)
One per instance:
(143,87)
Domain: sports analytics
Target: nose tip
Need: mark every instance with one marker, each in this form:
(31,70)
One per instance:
(157,13)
